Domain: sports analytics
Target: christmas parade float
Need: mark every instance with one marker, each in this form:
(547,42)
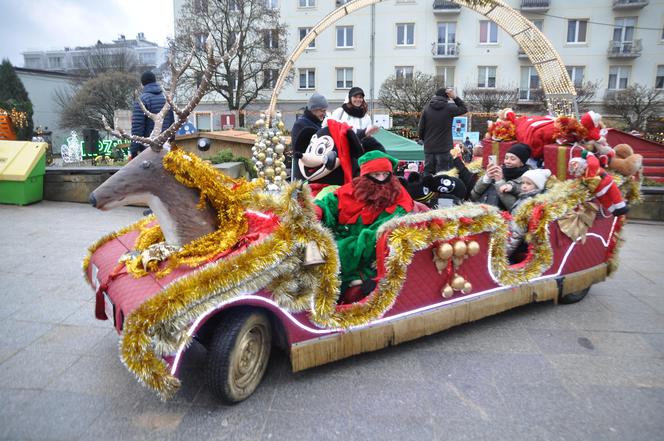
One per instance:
(243,267)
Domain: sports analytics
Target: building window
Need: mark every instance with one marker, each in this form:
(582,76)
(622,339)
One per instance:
(55,62)
(529,83)
(403,72)
(405,34)
(618,77)
(539,23)
(271,38)
(576,31)
(270,78)
(488,32)
(271,4)
(307,78)
(659,77)
(576,74)
(303,33)
(78,61)
(147,58)
(486,77)
(35,63)
(446,44)
(344,77)
(445,76)
(199,41)
(233,38)
(201,6)
(623,31)
(344,36)
(307,3)
(232,80)
(204,121)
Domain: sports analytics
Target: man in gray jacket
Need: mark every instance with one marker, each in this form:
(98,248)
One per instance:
(435,130)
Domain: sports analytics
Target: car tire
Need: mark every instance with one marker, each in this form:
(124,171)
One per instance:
(573,297)
(238,355)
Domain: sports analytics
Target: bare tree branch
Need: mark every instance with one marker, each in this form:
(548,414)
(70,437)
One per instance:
(636,105)
(257,32)
(489,100)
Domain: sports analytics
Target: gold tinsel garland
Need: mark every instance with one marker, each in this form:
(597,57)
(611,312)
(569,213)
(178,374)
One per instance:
(159,325)
(228,197)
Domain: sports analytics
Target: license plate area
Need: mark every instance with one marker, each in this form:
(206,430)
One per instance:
(109,308)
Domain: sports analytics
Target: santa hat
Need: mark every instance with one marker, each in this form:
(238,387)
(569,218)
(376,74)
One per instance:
(591,121)
(376,161)
(538,177)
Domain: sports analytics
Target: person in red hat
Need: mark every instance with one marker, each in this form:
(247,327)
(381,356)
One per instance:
(356,210)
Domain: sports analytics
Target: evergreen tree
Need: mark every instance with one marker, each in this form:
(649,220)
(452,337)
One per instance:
(14,96)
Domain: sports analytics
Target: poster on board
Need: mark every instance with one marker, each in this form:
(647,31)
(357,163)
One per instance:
(459,127)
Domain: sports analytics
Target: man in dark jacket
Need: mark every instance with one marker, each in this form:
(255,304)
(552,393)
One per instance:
(313,117)
(154,100)
(435,129)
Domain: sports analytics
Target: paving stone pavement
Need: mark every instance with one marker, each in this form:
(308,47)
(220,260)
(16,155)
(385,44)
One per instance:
(589,371)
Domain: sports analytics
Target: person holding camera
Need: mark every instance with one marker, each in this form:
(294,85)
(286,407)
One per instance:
(435,129)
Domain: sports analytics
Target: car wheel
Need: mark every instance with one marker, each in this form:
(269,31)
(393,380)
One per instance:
(573,297)
(238,355)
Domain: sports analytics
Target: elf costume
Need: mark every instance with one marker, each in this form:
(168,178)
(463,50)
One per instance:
(354,223)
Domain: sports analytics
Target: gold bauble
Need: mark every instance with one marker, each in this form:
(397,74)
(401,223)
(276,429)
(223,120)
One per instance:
(283,175)
(447,292)
(281,125)
(467,288)
(460,248)
(473,248)
(445,251)
(261,156)
(269,172)
(458,282)
(260,123)
(279,148)
(275,140)
(261,174)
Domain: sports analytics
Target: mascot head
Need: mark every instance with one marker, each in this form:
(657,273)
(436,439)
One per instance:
(430,189)
(329,155)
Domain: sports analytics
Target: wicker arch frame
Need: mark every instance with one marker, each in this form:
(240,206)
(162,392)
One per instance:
(557,85)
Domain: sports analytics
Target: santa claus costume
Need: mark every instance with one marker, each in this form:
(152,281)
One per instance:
(608,194)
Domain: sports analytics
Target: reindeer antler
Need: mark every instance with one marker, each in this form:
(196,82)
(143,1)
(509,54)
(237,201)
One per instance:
(158,138)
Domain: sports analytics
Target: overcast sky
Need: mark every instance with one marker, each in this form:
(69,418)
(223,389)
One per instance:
(54,24)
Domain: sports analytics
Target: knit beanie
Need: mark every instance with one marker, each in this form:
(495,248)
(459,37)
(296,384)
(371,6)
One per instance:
(521,151)
(147,78)
(376,161)
(317,101)
(370,143)
(355,91)
(539,177)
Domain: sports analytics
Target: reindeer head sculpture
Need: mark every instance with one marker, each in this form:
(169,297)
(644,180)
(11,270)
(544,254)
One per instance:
(145,180)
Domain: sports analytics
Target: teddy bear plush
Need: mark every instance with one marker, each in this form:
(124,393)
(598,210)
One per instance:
(625,161)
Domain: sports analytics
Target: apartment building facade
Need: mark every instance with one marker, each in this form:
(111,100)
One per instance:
(615,43)
(142,52)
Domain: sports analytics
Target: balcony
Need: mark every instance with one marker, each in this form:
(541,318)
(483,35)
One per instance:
(624,49)
(535,5)
(445,7)
(620,5)
(448,51)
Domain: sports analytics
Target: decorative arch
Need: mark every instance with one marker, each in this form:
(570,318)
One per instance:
(557,85)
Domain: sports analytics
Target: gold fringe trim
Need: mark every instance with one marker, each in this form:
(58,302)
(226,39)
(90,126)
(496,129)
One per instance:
(158,327)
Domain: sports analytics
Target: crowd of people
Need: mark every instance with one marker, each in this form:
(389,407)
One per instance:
(383,188)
